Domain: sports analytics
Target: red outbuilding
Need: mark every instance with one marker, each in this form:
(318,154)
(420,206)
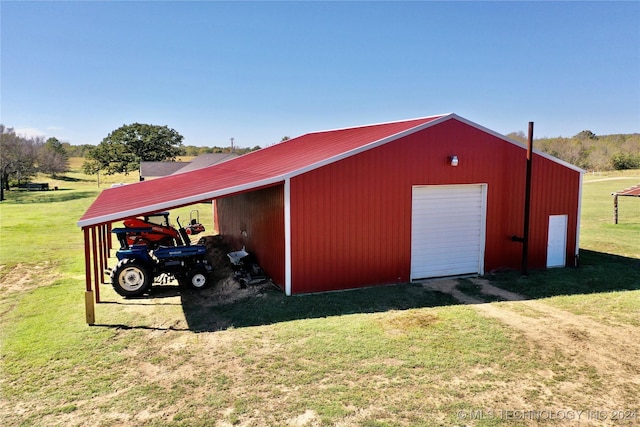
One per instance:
(371,205)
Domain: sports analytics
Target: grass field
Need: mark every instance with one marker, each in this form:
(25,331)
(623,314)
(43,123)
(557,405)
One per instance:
(391,356)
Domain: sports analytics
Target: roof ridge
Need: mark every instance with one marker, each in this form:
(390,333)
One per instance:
(434,116)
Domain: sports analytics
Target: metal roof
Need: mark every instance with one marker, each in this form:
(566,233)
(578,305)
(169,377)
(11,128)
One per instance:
(207,159)
(632,191)
(148,169)
(261,168)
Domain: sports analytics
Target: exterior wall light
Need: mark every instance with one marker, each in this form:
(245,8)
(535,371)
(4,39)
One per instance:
(454,160)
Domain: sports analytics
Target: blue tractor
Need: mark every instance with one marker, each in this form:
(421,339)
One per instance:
(139,265)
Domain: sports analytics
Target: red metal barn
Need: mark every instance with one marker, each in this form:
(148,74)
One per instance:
(376,204)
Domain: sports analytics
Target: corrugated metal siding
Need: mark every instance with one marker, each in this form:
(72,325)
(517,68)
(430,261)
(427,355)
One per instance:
(341,237)
(554,191)
(261,214)
(351,220)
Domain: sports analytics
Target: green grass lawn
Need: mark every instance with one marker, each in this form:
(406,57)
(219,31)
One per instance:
(372,357)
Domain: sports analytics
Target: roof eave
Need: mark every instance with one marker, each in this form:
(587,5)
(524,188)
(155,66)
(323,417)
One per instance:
(175,203)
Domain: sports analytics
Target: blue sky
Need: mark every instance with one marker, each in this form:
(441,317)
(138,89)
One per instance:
(257,71)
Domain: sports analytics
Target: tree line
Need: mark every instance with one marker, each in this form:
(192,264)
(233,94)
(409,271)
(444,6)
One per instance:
(122,150)
(590,151)
(187,150)
(21,158)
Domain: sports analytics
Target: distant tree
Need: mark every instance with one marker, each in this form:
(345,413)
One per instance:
(124,148)
(77,150)
(518,136)
(17,158)
(600,157)
(623,161)
(8,142)
(586,134)
(190,150)
(91,167)
(52,157)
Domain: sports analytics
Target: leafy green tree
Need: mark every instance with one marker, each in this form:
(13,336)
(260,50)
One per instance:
(518,136)
(586,134)
(77,150)
(623,161)
(52,157)
(17,157)
(124,148)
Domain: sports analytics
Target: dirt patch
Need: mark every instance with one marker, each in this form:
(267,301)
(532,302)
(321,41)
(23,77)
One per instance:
(408,320)
(454,288)
(23,277)
(581,339)
(305,419)
(217,250)
(487,288)
(580,354)
(226,288)
(450,286)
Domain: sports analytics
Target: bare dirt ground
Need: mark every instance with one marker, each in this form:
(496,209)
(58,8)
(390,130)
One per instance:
(576,346)
(579,343)
(21,277)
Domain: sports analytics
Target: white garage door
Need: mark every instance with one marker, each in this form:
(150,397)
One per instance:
(448,230)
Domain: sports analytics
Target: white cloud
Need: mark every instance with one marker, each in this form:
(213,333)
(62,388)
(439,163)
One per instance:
(37,133)
(29,132)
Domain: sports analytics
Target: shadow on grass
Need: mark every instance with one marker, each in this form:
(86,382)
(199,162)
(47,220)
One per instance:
(61,195)
(269,305)
(128,327)
(72,179)
(598,272)
(208,311)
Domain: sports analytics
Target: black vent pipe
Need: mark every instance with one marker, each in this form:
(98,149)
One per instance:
(527,206)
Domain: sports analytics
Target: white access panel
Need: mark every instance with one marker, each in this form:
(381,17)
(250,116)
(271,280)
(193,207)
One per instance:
(448,226)
(557,241)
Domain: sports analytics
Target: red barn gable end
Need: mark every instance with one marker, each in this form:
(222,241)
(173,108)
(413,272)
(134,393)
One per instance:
(351,219)
(377,204)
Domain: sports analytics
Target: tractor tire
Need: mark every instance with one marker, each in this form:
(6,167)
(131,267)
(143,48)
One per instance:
(131,278)
(198,278)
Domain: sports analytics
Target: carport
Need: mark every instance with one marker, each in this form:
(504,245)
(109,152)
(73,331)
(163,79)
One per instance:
(628,192)
(141,198)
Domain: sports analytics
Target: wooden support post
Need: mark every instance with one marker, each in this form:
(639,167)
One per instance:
(615,208)
(89,308)
(88,294)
